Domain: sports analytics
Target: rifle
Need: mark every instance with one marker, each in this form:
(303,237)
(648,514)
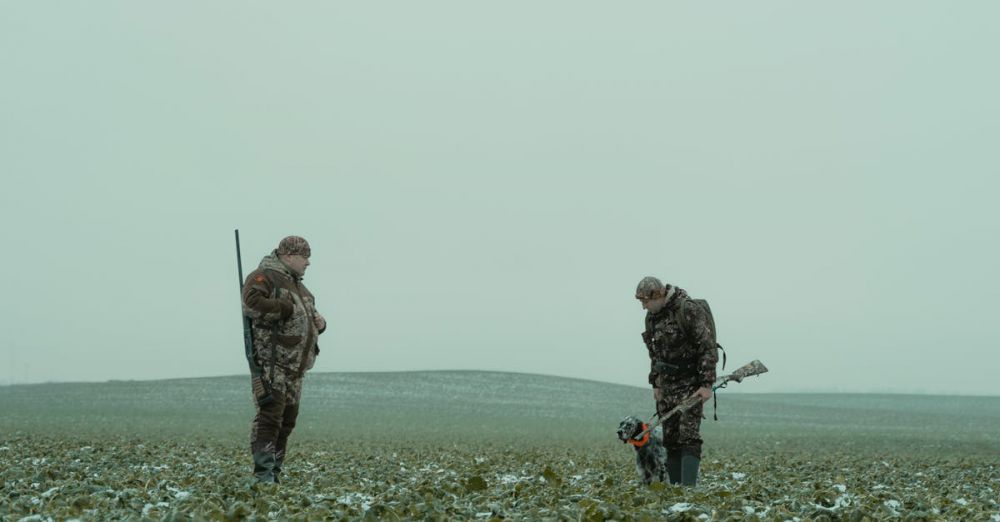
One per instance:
(750,369)
(262,391)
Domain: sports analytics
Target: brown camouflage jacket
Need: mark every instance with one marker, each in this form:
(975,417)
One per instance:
(282,311)
(681,346)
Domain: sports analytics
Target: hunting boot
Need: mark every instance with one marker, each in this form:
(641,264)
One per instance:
(279,457)
(689,470)
(674,466)
(263,467)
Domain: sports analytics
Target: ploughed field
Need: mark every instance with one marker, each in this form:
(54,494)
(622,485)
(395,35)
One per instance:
(483,445)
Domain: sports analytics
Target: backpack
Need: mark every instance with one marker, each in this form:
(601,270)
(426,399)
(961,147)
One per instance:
(711,326)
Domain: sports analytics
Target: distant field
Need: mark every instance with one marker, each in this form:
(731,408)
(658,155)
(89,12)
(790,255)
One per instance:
(479,444)
(503,407)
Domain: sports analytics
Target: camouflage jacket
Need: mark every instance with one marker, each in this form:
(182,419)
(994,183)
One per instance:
(282,311)
(681,346)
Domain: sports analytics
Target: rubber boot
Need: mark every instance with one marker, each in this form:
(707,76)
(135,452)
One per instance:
(263,467)
(689,470)
(674,467)
(278,460)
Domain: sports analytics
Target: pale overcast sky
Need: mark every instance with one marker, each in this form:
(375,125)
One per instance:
(484,184)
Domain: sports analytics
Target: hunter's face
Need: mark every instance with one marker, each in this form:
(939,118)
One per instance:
(297,263)
(653,304)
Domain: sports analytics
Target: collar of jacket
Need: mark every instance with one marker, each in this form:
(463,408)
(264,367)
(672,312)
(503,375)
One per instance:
(672,305)
(273,262)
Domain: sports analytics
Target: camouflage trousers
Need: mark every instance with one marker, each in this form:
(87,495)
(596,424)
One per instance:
(681,431)
(275,421)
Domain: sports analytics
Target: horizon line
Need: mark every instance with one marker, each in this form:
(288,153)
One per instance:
(818,391)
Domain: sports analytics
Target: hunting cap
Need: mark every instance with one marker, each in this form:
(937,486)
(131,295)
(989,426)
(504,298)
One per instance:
(293,245)
(650,287)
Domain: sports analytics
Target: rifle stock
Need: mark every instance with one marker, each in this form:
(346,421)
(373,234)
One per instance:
(754,367)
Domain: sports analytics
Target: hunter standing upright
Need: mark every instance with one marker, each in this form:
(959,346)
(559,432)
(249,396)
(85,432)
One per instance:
(284,330)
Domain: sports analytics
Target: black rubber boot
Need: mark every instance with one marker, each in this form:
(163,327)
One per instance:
(689,470)
(263,467)
(674,466)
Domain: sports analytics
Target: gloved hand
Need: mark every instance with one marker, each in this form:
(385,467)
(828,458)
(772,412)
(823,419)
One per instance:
(704,392)
(287,307)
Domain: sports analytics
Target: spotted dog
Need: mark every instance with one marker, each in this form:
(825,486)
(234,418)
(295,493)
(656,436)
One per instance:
(650,455)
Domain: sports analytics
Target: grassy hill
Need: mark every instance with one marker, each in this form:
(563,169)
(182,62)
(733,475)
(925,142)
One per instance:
(440,407)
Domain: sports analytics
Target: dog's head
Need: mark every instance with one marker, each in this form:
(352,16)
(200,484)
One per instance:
(629,428)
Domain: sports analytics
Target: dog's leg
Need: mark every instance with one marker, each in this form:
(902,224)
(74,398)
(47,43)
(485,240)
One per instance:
(640,469)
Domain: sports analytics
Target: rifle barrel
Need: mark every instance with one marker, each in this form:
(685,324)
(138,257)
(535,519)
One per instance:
(239,260)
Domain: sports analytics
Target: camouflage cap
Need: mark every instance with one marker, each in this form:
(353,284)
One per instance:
(650,287)
(293,245)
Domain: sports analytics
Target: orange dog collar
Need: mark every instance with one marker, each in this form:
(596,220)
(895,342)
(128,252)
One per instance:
(642,442)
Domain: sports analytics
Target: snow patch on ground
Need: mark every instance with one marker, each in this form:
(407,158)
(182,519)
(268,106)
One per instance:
(357,498)
(739,476)
(149,507)
(844,500)
(178,493)
(147,467)
(510,478)
(35,518)
(679,507)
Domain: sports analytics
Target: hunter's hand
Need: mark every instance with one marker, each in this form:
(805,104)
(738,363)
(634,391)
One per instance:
(319,322)
(704,393)
(287,308)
